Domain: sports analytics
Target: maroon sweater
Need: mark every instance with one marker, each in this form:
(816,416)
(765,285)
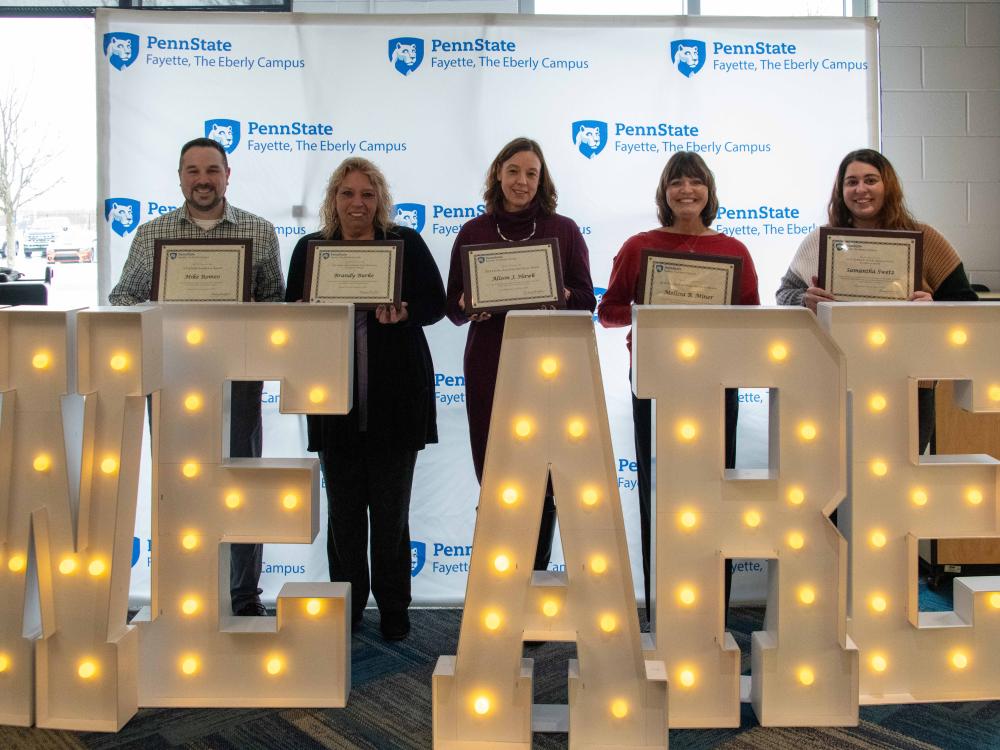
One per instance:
(482,347)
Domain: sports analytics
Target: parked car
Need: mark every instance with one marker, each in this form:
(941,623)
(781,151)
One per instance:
(41,233)
(71,247)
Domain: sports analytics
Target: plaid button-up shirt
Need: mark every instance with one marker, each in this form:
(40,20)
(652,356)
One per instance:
(268,284)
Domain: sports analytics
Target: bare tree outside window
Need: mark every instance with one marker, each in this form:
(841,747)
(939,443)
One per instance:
(24,158)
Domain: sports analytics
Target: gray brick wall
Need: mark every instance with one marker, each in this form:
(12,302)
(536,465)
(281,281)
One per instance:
(940,69)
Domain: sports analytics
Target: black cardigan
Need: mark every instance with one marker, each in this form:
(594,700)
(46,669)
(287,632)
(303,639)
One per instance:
(401,401)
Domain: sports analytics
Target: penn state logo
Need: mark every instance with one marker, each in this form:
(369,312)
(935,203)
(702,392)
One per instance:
(135,550)
(687,55)
(122,214)
(590,137)
(224,132)
(418,556)
(406,53)
(121,49)
(410,215)
(599,295)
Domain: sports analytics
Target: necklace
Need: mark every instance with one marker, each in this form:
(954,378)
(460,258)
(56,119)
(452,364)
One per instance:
(534,226)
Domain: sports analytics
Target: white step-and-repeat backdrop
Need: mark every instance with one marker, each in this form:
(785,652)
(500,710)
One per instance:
(771,104)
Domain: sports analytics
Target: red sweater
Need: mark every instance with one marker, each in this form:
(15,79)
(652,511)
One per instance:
(615,309)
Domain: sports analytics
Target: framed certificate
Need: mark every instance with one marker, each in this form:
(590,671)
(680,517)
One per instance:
(366,273)
(870,264)
(216,270)
(512,276)
(667,278)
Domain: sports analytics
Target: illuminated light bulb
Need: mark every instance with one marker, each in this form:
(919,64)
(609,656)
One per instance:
(189,541)
(549,367)
(118,362)
(109,465)
(608,623)
(778,352)
(994,393)
(290,501)
(959,660)
(619,708)
(958,337)
(879,663)
(16,563)
(96,568)
(807,431)
(279,337)
(994,600)
(598,564)
(317,395)
(687,431)
(550,608)
(877,402)
(752,518)
(807,595)
(688,519)
(42,462)
(686,596)
(796,540)
(687,349)
(189,665)
(686,677)
(274,665)
(86,669)
(974,496)
(481,705)
(192,402)
(878,539)
(492,620)
(576,428)
(878,603)
(877,337)
(41,360)
(233,500)
(313,607)
(67,566)
(190,469)
(919,496)
(522,428)
(4,663)
(879,467)
(796,495)
(194,336)
(589,497)
(806,676)
(501,563)
(189,606)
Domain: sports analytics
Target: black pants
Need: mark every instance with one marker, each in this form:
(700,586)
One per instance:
(642,421)
(368,482)
(245,441)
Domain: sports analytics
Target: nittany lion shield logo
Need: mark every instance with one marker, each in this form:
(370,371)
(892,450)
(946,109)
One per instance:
(135,550)
(121,49)
(410,215)
(590,137)
(418,556)
(687,55)
(122,214)
(406,53)
(224,132)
